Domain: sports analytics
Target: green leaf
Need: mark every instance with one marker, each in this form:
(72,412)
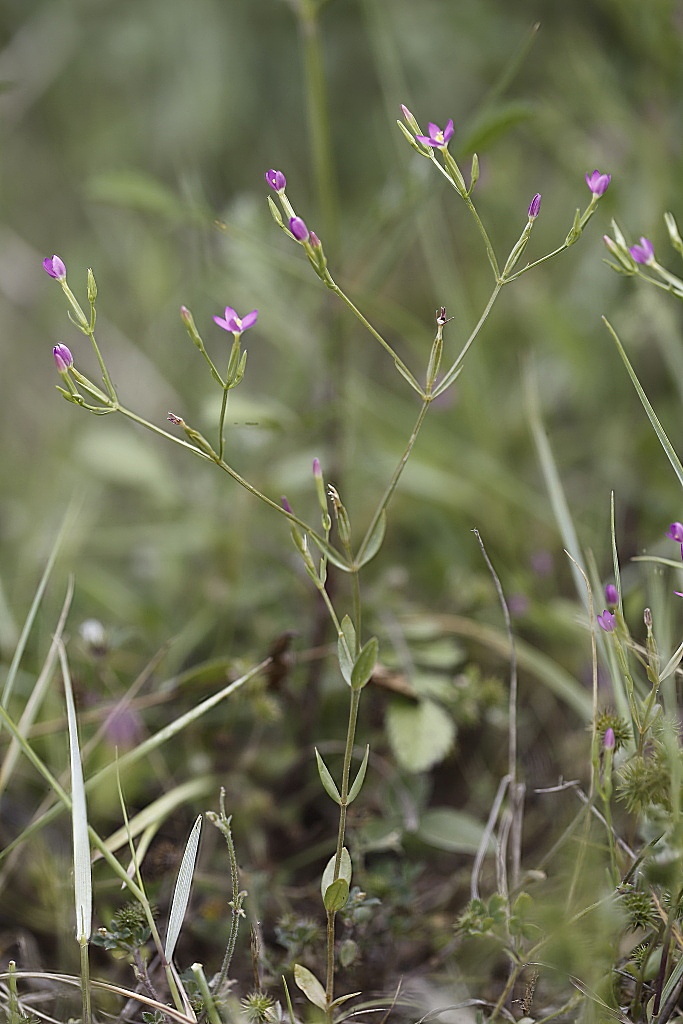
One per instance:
(343,999)
(336,896)
(652,416)
(345,871)
(408,376)
(373,543)
(328,782)
(365,664)
(421,734)
(349,631)
(310,986)
(451,830)
(181,893)
(358,781)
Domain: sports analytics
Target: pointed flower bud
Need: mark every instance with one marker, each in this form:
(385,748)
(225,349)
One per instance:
(299,229)
(609,739)
(63,358)
(437,139)
(675,532)
(608,621)
(276,180)
(285,504)
(314,240)
(598,183)
(643,252)
(535,206)
(611,594)
(54,266)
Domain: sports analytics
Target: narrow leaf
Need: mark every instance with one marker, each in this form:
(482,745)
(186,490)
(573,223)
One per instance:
(345,662)
(310,986)
(181,893)
(358,781)
(365,664)
(79,815)
(328,782)
(343,999)
(658,428)
(349,631)
(408,376)
(331,552)
(373,543)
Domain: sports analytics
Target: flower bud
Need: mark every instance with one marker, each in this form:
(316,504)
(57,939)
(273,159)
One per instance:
(63,358)
(611,594)
(54,266)
(92,287)
(534,206)
(609,740)
(298,229)
(598,183)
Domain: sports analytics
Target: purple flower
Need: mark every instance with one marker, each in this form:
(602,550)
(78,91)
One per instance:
(675,532)
(276,180)
(298,229)
(234,323)
(535,206)
(285,504)
(437,138)
(317,471)
(609,740)
(611,594)
(598,183)
(63,358)
(607,620)
(644,252)
(54,266)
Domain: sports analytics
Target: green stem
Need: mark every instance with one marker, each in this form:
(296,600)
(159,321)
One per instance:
(452,373)
(346,771)
(85,982)
(391,486)
(221,422)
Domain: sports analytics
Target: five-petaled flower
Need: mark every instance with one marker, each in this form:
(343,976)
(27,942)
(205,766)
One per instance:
(607,620)
(643,252)
(276,180)
(232,322)
(54,266)
(611,594)
(598,182)
(437,138)
(63,358)
(299,229)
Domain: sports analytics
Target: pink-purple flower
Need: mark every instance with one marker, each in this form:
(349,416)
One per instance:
(643,252)
(54,266)
(63,358)
(607,620)
(598,182)
(611,594)
(609,739)
(675,532)
(299,229)
(276,180)
(232,322)
(437,138)
(535,206)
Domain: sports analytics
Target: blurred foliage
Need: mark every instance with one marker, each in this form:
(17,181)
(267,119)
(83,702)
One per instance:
(135,135)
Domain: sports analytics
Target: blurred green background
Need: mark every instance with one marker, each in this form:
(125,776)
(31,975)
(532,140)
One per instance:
(135,136)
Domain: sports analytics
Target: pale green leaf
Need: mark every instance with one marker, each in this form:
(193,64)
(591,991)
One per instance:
(358,781)
(181,893)
(365,664)
(328,782)
(421,734)
(310,986)
(448,829)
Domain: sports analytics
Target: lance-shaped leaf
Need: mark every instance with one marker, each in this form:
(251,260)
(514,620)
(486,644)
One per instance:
(358,781)
(373,542)
(328,782)
(310,986)
(181,893)
(79,815)
(365,664)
